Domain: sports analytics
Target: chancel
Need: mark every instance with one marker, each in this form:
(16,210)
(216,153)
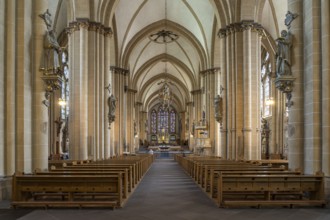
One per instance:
(222,91)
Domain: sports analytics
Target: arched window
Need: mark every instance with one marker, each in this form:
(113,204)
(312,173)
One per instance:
(266,98)
(153,122)
(172,121)
(65,87)
(163,121)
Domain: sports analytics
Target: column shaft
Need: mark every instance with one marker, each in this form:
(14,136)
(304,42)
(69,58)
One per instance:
(296,112)
(325,24)
(40,132)
(312,80)
(223,91)
(3,56)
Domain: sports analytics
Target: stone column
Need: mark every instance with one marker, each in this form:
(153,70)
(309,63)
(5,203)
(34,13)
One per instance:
(101,92)
(312,81)
(209,94)
(3,56)
(78,126)
(23,86)
(9,86)
(119,76)
(325,48)
(40,115)
(130,102)
(296,111)
(139,124)
(222,87)
(251,94)
(107,84)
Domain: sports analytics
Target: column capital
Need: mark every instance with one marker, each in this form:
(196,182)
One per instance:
(242,26)
(85,23)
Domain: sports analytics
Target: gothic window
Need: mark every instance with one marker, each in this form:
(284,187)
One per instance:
(172,121)
(163,120)
(265,93)
(65,88)
(154,122)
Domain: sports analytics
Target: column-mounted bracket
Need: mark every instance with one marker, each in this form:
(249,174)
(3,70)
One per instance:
(285,84)
(53,82)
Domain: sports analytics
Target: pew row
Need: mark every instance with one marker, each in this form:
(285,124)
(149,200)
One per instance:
(253,183)
(270,190)
(107,183)
(67,190)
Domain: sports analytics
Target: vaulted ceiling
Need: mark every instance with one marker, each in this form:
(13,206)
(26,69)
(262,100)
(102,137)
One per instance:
(179,61)
(196,22)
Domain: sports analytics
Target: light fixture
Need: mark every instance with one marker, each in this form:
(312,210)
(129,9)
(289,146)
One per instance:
(61,102)
(165,96)
(270,101)
(164,36)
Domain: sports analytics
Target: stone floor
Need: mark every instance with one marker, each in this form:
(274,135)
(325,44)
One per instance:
(166,192)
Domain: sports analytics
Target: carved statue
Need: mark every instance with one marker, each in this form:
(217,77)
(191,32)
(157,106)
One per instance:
(283,55)
(218,109)
(135,131)
(112,108)
(52,47)
(59,122)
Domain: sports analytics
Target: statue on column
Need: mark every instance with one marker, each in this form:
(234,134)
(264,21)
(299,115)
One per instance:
(283,55)
(52,47)
(218,109)
(112,108)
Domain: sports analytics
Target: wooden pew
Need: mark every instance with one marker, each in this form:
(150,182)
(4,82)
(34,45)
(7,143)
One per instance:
(124,173)
(213,181)
(132,176)
(233,190)
(210,171)
(106,184)
(76,190)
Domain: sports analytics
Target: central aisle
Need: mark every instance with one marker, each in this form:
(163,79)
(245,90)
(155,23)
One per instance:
(167,193)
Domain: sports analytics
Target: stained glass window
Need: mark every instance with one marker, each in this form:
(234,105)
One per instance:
(153,122)
(172,121)
(65,88)
(265,93)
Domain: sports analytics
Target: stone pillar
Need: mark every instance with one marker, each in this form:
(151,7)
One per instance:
(189,121)
(231,93)
(222,88)
(107,84)
(130,102)
(3,56)
(251,92)
(139,125)
(312,81)
(119,76)
(325,48)
(40,115)
(23,87)
(296,111)
(9,86)
(209,76)
(78,126)
(241,47)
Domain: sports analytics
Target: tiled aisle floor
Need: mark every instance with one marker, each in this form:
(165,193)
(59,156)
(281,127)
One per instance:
(166,192)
